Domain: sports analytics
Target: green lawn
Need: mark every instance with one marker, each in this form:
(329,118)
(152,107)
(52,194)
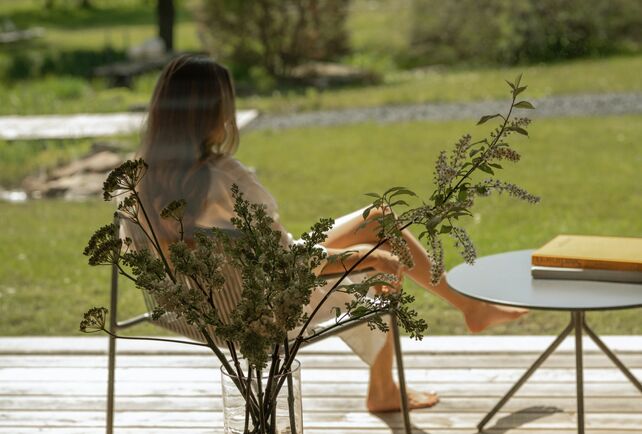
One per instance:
(616,74)
(120,24)
(62,95)
(586,170)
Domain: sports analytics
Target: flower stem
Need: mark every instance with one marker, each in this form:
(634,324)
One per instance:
(156,242)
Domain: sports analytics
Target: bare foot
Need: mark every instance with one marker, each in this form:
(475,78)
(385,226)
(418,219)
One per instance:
(484,315)
(391,401)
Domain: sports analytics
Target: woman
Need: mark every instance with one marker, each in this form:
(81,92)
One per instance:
(190,139)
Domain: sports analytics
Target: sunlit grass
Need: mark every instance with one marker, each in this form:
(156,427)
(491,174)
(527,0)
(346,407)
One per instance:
(74,94)
(616,74)
(586,171)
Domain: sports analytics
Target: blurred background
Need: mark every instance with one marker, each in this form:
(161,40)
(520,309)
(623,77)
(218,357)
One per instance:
(353,96)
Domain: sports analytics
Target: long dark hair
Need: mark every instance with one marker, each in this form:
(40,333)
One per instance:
(191,120)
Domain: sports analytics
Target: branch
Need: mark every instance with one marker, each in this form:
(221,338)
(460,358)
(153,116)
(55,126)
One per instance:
(482,157)
(340,324)
(140,338)
(155,242)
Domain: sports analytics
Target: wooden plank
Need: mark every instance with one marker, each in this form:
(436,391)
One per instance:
(208,388)
(387,430)
(56,393)
(338,361)
(180,375)
(546,418)
(213,402)
(429,345)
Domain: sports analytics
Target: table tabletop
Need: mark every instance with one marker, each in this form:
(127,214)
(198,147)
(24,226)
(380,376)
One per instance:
(506,279)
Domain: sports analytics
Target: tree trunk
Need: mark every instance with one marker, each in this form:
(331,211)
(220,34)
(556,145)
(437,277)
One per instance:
(166,16)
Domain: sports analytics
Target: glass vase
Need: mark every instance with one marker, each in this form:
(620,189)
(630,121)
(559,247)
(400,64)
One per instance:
(287,416)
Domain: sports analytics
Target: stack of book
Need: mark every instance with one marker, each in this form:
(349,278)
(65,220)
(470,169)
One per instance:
(581,257)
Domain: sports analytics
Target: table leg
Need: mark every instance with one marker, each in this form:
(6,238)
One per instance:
(612,356)
(578,320)
(527,375)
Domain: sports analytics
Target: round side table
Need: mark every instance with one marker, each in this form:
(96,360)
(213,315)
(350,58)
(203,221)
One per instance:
(505,279)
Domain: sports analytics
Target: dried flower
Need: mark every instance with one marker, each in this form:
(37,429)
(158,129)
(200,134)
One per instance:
(174,210)
(124,178)
(104,246)
(94,320)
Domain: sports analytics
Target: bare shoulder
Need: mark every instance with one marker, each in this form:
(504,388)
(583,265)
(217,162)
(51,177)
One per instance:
(230,171)
(229,165)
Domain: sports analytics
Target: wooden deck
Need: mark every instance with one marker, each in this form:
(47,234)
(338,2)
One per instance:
(57,386)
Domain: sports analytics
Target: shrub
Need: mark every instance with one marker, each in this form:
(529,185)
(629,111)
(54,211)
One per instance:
(41,61)
(509,32)
(276,35)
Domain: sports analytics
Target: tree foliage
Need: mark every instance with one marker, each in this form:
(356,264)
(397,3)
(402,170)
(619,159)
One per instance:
(275,34)
(508,32)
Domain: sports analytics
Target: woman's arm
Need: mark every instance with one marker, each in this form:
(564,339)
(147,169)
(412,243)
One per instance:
(380,260)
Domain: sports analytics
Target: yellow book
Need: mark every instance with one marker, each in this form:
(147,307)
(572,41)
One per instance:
(593,252)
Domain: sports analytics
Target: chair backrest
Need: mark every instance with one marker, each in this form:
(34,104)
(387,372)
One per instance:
(225,300)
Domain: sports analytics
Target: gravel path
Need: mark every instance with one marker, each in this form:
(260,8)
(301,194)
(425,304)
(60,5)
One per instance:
(94,125)
(558,106)
(83,125)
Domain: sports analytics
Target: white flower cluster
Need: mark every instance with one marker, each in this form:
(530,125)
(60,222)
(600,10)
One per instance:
(464,244)
(510,188)
(399,248)
(436,253)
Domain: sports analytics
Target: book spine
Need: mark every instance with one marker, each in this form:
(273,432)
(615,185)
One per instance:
(552,261)
(586,274)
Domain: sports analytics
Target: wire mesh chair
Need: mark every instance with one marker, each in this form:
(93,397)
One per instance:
(232,292)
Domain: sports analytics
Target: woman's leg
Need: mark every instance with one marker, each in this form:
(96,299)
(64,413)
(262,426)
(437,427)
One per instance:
(477,314)
(383,393)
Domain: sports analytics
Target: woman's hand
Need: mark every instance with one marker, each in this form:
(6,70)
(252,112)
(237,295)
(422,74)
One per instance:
(386,262)
(381,260)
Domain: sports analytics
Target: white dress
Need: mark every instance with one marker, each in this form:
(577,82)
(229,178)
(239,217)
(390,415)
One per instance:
(219,209)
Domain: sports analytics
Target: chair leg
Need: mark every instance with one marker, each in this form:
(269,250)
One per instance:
(402,377)
(111,362)
(110,385)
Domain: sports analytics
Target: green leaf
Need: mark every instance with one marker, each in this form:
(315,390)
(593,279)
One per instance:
(486,118)
(393,189)
(445,229)
(495,165)
(359,311)
(512,86)
(403,191)
(519,90)
(375,195)
(462,195)
(399,202)
(485,168)
(518,80)
(366,212)
(524,105)
(439,199)
(518,130)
